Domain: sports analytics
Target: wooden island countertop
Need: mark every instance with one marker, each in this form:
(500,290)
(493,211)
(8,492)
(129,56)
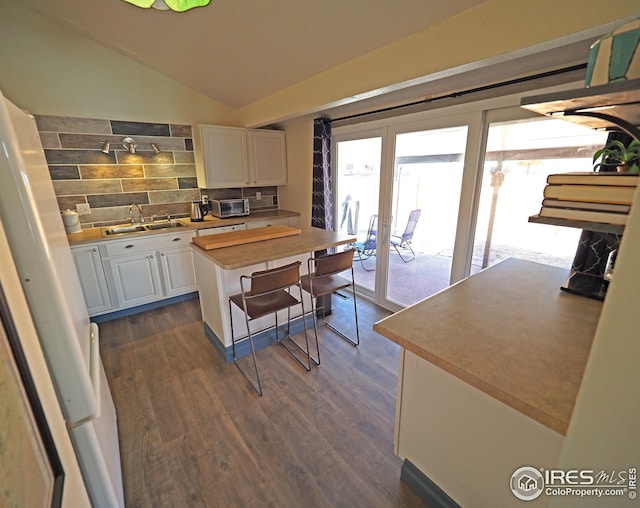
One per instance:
(240,256)
(508,331)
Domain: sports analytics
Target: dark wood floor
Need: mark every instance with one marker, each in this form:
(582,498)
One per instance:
(193,433)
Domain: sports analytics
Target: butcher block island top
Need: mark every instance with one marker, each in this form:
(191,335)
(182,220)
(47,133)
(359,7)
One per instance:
(244,236)
(508,331)
(291,242)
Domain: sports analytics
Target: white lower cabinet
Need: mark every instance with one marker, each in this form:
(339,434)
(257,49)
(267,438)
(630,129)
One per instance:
(136,279)
(118,274)
(92,278)
(150,268)
(178,273)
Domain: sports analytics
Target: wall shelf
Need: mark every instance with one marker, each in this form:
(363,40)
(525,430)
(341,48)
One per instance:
(589,226)
(615,106)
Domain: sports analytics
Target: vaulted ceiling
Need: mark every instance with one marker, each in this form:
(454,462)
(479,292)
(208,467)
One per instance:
(240,51)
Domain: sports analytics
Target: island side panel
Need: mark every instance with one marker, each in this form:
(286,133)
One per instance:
(465,441)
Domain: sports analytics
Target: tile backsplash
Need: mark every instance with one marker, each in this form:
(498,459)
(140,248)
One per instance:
(163,183)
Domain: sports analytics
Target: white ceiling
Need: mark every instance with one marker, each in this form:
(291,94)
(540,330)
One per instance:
(239,51)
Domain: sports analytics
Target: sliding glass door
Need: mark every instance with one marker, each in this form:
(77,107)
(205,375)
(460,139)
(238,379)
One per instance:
(358,164)
(427,178)
(520,155)
(438,198)
(398,191)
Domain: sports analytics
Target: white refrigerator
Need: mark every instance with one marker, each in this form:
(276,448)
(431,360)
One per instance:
(70,342)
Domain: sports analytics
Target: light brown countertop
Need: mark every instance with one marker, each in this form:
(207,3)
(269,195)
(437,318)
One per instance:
(95,234)
(310,240)
(508,331)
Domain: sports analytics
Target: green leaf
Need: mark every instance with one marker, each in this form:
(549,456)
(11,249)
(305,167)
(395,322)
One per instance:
(174,5)
(145,4)
(185,5)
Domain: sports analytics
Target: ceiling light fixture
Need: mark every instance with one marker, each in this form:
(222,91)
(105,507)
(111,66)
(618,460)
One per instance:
(165,5)
(106,146)
(155,148)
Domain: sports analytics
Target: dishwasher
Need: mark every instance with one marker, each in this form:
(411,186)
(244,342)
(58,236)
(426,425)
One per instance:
(221,229)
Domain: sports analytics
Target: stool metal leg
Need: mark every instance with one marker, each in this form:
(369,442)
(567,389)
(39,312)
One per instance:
(292,352)
(329,325)
(258,387)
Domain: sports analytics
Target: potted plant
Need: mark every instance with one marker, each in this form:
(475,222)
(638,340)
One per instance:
(615,153)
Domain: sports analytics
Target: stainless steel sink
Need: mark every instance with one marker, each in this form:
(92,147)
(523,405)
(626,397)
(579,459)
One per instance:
(164,225)
(118,230)
(152,226)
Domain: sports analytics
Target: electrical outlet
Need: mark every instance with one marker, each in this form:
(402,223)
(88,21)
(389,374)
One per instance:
(205,199)
(83,208)
(258,195)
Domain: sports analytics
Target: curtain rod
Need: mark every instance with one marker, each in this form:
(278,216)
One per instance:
(454,95)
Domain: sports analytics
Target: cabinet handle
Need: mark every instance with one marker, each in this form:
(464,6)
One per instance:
(130,246)
(151,256)
(162,253)
(95,249)
(177,239)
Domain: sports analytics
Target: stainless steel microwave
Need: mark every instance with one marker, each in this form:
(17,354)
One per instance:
(229,207)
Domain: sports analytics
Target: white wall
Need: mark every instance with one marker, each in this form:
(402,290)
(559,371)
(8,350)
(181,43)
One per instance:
(297,194)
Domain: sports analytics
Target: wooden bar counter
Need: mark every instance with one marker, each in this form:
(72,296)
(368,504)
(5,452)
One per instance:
(218,272)
(310,240)
(492,367)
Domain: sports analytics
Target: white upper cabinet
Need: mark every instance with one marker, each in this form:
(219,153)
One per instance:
(221,156)
(267,157)
(236,157)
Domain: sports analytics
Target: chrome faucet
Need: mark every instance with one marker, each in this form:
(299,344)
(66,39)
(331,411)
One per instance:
(141,220)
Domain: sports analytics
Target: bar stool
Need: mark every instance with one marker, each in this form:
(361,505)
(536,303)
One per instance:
(323,279)
(268,292)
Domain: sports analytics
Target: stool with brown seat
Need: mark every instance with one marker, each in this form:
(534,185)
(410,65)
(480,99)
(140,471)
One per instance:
(269,291)
(323,279)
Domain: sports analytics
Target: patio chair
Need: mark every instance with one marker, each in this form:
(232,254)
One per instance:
(367,248)
(404,241)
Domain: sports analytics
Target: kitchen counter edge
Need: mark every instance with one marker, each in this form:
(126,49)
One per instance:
(92,235)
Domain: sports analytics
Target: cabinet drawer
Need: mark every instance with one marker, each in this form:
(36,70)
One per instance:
(133,245)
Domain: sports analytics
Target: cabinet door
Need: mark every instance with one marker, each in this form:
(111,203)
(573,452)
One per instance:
(178,272)
(92,279)
(136,279)
(267,157)
(221,157)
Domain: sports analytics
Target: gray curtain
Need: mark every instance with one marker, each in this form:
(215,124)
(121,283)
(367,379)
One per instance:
(322,191)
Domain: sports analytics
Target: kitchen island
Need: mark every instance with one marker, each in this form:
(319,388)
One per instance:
(489,373)
(218,273)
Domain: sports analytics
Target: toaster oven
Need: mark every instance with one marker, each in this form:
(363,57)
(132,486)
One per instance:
(224,208)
